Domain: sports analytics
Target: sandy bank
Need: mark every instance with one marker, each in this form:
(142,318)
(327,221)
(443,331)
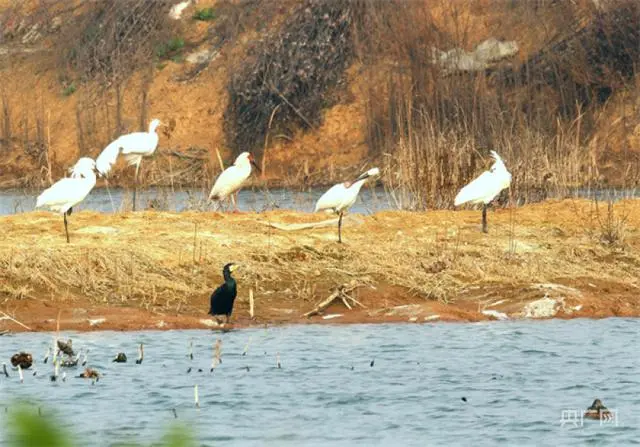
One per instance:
(156,269)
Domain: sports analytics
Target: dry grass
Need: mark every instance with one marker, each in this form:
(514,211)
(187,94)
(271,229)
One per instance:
(161,261)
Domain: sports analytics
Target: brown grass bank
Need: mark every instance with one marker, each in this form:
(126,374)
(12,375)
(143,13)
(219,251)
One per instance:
(157,269)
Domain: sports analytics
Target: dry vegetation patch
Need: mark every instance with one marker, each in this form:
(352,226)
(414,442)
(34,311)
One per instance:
(166,261)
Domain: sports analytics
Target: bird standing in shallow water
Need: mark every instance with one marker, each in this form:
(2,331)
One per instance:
(223,297)
(486,187)
(231,179)
(133,146)
(64,194)
(339,198)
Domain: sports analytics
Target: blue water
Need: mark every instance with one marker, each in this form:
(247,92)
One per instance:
(14,201)
(517,378)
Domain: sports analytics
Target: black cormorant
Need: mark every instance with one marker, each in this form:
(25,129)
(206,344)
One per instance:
(223,297)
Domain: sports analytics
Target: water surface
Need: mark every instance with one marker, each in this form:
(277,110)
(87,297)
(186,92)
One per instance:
(517,378)
(370,200)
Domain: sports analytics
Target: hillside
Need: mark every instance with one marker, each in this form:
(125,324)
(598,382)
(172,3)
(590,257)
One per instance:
(318,89)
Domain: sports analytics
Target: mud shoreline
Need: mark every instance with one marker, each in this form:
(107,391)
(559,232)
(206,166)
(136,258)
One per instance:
(156,270)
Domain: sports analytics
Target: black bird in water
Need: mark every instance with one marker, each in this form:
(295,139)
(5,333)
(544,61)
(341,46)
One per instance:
(223,297)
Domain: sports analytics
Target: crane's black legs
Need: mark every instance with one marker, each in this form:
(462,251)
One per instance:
(340,228)
(135,185)
(66,229)
(484,218)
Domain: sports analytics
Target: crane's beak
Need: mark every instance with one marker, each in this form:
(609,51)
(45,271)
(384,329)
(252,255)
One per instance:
(362,177)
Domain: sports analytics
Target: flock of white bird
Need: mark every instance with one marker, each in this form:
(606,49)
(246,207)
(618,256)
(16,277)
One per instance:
(63,195)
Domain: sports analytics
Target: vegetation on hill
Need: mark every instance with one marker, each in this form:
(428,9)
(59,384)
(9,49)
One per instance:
(325,83)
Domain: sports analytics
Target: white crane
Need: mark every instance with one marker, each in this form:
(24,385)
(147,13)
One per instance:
(133,146)
(63,195)
(339,198)
(486,187)
(231,179)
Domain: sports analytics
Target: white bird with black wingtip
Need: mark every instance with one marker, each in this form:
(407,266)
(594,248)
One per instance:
(486,187)
(231,180)
(63,195)
(133,146)
(339,198)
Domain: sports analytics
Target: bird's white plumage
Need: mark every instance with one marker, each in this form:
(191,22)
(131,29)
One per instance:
(82,166)
(108,158)
(133,146)
(487,185)
(342,196)
(232,178)
(68,192)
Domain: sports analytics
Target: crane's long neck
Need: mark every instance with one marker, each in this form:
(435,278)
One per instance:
(227,276)
(357,185)
(153,126)
(244,165)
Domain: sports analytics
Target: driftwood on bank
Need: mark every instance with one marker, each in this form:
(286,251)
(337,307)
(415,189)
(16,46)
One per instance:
(9,317)
(306,226)
(342,294)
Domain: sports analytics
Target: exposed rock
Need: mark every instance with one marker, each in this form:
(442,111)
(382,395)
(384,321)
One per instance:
(176,10)
(487,52)
(495,314)
(96,321)
(203,56)
(542,308)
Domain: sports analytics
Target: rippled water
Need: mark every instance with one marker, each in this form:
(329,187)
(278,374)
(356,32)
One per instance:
(116,199)
(517,377)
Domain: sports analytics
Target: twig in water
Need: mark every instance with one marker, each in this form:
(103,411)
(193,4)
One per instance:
(84,360)
(54,376)
(4,369)
(278,360)
(175,413)
(20,374)
(216,355)
(46,357)
(191,349)
(195,396)
(246,347)
(140,354)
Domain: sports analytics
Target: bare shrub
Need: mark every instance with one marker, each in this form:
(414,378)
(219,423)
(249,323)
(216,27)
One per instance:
(434,128)
(292,72)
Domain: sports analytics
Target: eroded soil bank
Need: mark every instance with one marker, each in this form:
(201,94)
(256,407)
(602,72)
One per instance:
(156,270)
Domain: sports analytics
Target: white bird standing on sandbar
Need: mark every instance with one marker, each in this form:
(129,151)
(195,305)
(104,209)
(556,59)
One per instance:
(63,195)
(339,198)
(230,181)
(486,187)
(133,146)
